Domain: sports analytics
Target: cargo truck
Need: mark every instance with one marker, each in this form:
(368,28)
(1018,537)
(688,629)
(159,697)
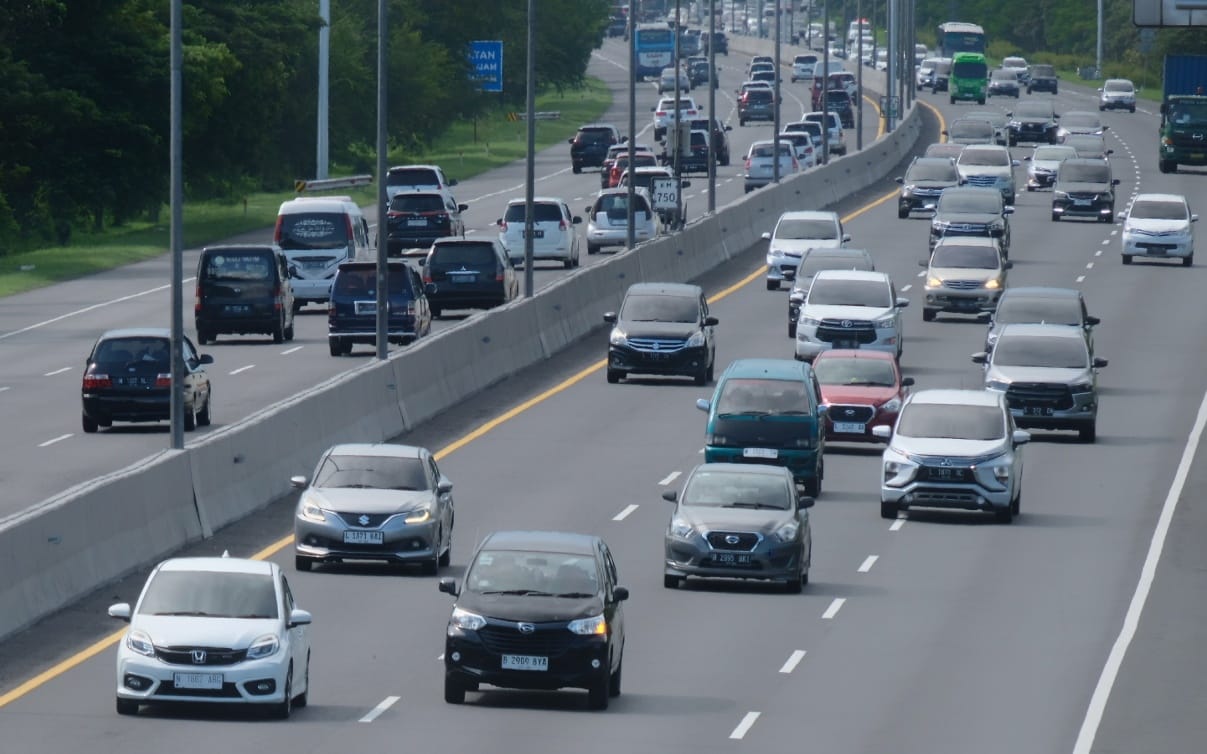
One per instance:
(1183,113)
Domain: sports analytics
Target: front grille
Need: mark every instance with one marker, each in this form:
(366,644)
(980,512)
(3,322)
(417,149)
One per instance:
(945,498)
(962,285)
(982,180)
(963,229)
(364,520)
(1187,140)
(1157,233)
(739,541)
(657,345)
(212,655)
(544,641)
(1024,394)
(858,330)
(927,191)
(1082,196)
(228,691)
(857,414)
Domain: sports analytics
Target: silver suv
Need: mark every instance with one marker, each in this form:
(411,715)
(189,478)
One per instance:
(850,309)
(1048,376)
(953,449)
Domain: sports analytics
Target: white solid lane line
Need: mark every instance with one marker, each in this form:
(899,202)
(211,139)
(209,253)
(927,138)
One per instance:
(744,726)
(288,351)
(922,274)
(1080,279)
(57,371)
(625,513)
(242,369)
(793,661)
(87,309)
(868,563)
(896,525)
(833,609)
(669,478)
(1102,691)
(48,443)
(376,711)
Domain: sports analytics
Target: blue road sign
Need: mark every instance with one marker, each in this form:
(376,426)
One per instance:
(486,57)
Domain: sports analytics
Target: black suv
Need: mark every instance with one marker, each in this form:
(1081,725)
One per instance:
(720,137)
(663,329)
(243,289)
(719,42)
(1033,120)
(756,104)
(1084,187)
(1043,78)
(538,610)
(352,309)
(417,218)
(972,211)
(589,146)
(839,101)
(923,182)
(468,273)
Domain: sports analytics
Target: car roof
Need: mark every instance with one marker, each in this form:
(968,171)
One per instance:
(809,214)
(137,332)
(228,248)
(219,565)
(1161,198)
(956,397)
(935,160)
(415,167)
(873,275)
(666,289)
(1039,291)
(854,353)
(608,126)
(540,200)
(549,541)
(763,469)
(315,204)
(1095,161)
(376,450)
(968,241)
(624,190)
(1041,331)
(776,369)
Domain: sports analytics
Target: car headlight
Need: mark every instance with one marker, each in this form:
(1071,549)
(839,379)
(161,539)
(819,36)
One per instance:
(718,441)
(908,190)
(886,321)
(1001,472)
(808,441)
(797,296)
(594,626)
(140,641)
(787,532)
(311,511)
(808,321)
(1082,387)
(696,340)
(999,386)
(898,473)
(892,405)
(419,516)
(682,529)
(933,282)
(993,284)
(1060,195)
(466,621)
(618,337)
(265,646)
(777,253)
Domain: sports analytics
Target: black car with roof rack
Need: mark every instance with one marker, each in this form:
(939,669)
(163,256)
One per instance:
(589,146)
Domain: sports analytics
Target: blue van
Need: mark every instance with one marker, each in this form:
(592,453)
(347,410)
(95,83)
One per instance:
(768,411)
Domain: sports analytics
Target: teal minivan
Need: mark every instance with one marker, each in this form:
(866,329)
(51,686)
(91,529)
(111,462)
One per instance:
(768,411)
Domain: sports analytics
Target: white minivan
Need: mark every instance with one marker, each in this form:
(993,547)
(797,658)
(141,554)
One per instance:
(554,236)
(317,234)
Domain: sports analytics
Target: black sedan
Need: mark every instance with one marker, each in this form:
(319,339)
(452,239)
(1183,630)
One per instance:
(662,329)
(128,378)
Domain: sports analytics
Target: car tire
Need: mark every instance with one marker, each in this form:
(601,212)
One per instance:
(289,332)
(89,424)
(597,694)
(902,213)
(278,331)
(1101,108)
(283,709)
(671,582)
(203,416)
(1127,258)
(1003,516)
(1055,217)
(792,330)
(454,690)
(981,101)
(701,377)
(127,706)
(568,264)
(436,311)
(710,375)
(741,121)
(725,160)
(773,285)
(333,346)
(1131,109)
(576,169)
(297,307)
(795,583)
(303,563)
(190,418)
(813,486)
(204,337)
(430,566)
(928,315)
(614,376)
(303,699)
(1016,505)
(887,509)
(446,557)
(592,249)
(1030,188)
(1188,261)
(614,679)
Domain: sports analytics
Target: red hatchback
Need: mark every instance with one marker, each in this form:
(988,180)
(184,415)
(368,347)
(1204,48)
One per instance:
(862,389)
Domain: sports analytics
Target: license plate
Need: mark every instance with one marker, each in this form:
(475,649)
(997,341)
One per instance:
(844,344)
(849,428)
(366,307)
(947,475)
(525,662)
(1081,202)
(535,234)
(237,308)
(314,265)
(1037,411)
(1197,156)
(197,680)
(731,558)
(760,453)
(463,278)
(416,223)
(364,537)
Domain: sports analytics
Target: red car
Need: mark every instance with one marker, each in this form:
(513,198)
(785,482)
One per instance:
(862,389)
(621,163)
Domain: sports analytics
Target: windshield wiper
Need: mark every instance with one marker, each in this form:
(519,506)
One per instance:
(578,595)
(521,592)
(754,506)
(730,414)
(191,613)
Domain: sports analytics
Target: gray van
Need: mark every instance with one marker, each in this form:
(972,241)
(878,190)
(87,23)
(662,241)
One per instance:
(317,234)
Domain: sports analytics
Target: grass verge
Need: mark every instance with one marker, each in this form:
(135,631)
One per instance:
(465,150)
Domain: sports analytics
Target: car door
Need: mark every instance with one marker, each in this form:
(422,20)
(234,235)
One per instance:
(510,279)
(444,500)
(423,311)
(196,381)
(709,334)
(298,637)
(568,219)
(613,611)
(286,287)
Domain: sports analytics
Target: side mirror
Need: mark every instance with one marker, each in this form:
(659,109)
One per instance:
(462,207)
(1027,158)
(846,237)
(1015,163)
(980,358)
(710,321)
(624,140)
(452,182)
(704,404)
(1105,127)
(882,432)
(1010,115)
(1110,151)
(1194,218)
(1021,437)
(1009,210)
(620,593)
(1123,216)
(728,128)
(671,496)
(576,220)
(1114,181)
(907,382)
(653,109)
(444,486)
(924,263)
(766,236)
(430,289)
(448,586)
(299,618)
(1100,363)
(901,303)
(822,409)
(499,222)
(807,501)
(1008,265)
(121,611)
(297,482)
(570,140)
(685,184)
(900,179)
(1091,321)
(944,132)
(587,211)
(206,359)
(609,317)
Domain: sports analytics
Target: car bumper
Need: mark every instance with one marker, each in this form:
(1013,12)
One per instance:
(150,680)
(616,236)
(809,346)
(394,334)
(1157,248)
(1093,209)
(849,434)
(1040,180)
(1117,104)
(770,559)
(686,361)
(401,542)
(127,408)
(257,323)
(311,290)
(969,497)
(1036,135)
(516,255)
(974,301)
(1080,416)
(918,202)
(801,462)
(760,115)
(575,666)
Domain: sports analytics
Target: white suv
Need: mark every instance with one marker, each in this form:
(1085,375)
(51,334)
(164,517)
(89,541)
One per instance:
(837,143)
(803,67)
(553,233)
(665,115)
(850,309)
(1159,226)
(795,233)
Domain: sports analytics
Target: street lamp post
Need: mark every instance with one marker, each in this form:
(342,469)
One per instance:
(712,106)
(176,234)
(859,74)
(530,163)
(321,146)
(825,73)
(631,234)
(775,137)
(383,268)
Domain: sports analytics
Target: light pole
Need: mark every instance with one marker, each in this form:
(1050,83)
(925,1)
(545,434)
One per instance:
(676,143)
(825,73)
(530,162)
(1098,46)
(321,145)
(859,75)
(176,234)
(775,137)
(712,106)
(889,81)
(383,268)
(631,235)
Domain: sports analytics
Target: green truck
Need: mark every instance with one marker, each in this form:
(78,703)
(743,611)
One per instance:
(1183,113)
(969,77)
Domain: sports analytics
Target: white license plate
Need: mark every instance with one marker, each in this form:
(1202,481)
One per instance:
(849,428)
(416,223)
(760,453)
(314,265)
(1081,202)
(525,662)
(535,234)
(197,680)
(364,537)
(366,307)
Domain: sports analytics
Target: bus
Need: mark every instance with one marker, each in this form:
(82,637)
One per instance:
(655,50)
(957,36)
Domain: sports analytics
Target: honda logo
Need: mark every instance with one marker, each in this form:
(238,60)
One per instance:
(198,656)
(527,628)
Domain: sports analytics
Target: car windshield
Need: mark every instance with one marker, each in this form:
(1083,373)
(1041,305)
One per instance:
(958,422)
(1080,120)
(963,129)
(314,230)
(1043,70)
(660,308)
(756,395)
(854,371)
(210,594)
(371,472)
(1079,172)
(417,203)
(830,292)
(969,70)
(1037,351)
(1033,111)
(1053,154)
(944,150)
(1119,87)
(533,574)
(792,229)
(815,263)
(151,350)
(412,177)
(736,489)
(1004,75)
(1037,311)
(965,257)
(1154,209)
(1187,112)
(931,171)
(542,212)
(1014,63)
(255,266)
(987,202)
(978,156)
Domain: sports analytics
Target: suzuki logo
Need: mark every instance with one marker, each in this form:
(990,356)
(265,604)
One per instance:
(198,656)
(527,628)
(731,539)
(363,520)
(655,346)
(1197,137)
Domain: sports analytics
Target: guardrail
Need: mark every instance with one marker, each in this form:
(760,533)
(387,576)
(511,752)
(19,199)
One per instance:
(97,532)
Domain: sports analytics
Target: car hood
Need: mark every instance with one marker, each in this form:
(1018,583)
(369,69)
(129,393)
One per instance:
(1157,226)
(1048,165)
(658,329)
(847,312)
(1083,187)
(964,273)
(195,631)
(967,170)
(1049,375)
(932,184)
(947,446)
(530,609)
(798,246)
(351,500)
(974,218)
(706,517)
(861,395)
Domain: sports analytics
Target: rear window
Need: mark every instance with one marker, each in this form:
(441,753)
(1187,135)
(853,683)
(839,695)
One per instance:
(969,70)
(417,203)
(1119,86)
(412,177)
(543,212)
(226,265)
(314,230)
(594,136)
(758,95)
(617,205)
(1080,173)
(359,281)
(468,254)
(123,350)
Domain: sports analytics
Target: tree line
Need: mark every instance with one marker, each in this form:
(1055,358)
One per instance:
(84,104)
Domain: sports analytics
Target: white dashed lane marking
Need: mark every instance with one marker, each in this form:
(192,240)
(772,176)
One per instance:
(380,708)
(625,513)
(868,562)
(744,727)
(833,609)
(48,443)
(896,525)
(669,478)
(242,369)
(792,661)
(288,351)
(57,371)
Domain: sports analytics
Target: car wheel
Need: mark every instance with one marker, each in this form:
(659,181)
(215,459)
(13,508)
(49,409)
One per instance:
(1030,188)
(127,706)
(928,315)
(203,416)
(278,331)
(454,690)
(1055,217)
(1101,108)
(1016,505)
(302,563)
(597,695)
(190,418)
(289,332)
(592,249)
(741,122)
(725,160)
(303,699)
(1089,433)
(795,582)
(90,425)
(1131,109)
(1187,261)
(902,213)
(773,285)
(430,566)
(614,376)
(953,100)
(614,681)
(577,169)
(446,557)
(887,509)
(297,307)
(204,337)
(436,311)
(792,330)
(568,263)
(701,377)
(1004,516)
(1127,258)
(283,709)
(710,375)
(813,486)
(671,582)
(981,101)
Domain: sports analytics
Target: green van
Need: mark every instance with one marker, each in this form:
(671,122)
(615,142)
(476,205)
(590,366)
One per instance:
(768,411)
(969,77)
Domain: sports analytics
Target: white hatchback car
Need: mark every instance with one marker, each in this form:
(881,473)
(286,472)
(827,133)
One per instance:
(1159,226)
(795,233)
(608,223)
(850,309)
(214,630)
(553,233)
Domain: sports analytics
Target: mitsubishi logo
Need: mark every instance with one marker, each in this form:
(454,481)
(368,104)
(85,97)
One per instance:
(198,656)
(527,628)
(847,323)
(731,539)
(945,462)
(363,520)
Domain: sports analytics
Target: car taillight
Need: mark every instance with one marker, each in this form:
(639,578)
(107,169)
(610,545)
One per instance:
(503,225)
(748,162)
(561,225)
(660,113)
(276,233)
(348,227)
(97,382)
(410,308)
(691,113)
(163,379)
(498,274)
(197,299)
(427,276)
(393,213)
(277,295)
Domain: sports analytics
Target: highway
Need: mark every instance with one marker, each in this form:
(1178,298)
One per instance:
(46,334)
